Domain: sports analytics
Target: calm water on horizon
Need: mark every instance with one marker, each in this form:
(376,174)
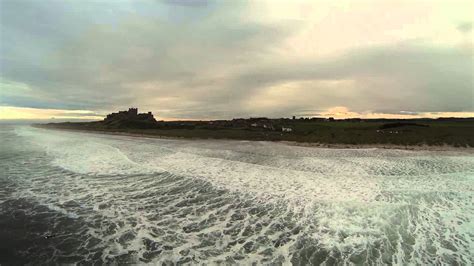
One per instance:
(70,197)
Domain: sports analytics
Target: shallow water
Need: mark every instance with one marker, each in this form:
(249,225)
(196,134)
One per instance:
(68,197)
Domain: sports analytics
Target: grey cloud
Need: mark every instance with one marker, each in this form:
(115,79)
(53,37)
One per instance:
(190,3)
(465,27)
(99,60)
(211,64)
(421,79)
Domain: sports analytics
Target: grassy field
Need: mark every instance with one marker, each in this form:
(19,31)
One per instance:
(457,133)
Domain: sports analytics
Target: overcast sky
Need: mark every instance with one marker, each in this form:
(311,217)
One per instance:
(223,59)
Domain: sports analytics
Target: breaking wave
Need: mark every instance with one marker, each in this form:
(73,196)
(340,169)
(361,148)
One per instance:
(129,200)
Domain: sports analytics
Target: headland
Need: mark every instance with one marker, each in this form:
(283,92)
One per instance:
(441,133)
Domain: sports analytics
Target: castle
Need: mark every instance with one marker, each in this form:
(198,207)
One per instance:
(132,114)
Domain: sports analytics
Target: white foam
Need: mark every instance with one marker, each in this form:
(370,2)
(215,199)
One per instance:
(84,155)
(345,200)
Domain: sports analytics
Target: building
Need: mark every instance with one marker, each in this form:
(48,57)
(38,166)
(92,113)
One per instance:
(132,115)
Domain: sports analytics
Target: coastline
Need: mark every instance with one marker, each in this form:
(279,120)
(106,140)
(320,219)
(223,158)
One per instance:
(423,147)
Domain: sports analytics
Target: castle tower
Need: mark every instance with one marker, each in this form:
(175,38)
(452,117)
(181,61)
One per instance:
(133,111)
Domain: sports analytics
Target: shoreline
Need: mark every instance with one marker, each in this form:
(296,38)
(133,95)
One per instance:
(423,147)
(387,146)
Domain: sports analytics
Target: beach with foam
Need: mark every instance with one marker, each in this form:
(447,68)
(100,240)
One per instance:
(96,198)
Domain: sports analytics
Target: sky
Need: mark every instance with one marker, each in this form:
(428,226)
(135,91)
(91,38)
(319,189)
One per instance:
(184,59)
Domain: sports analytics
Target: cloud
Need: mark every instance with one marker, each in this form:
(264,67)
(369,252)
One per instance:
(94,69)
(188,59)
(190,3)
(388,79)
(465,27)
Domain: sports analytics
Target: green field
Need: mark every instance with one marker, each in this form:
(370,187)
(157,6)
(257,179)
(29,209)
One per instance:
(455,132)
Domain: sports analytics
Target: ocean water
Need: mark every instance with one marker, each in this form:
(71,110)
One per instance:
(71,197)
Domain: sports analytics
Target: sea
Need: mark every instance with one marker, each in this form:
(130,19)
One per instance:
(82,198)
